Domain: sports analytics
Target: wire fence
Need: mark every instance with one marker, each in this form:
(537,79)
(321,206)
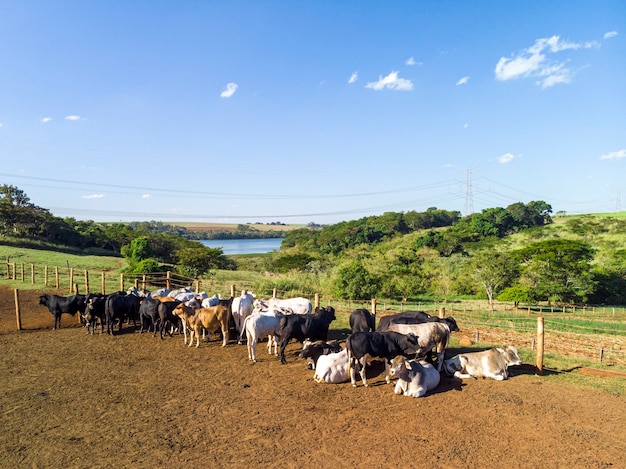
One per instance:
(591,332)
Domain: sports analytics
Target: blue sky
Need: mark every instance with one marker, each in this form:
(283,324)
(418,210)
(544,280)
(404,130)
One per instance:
(322,111)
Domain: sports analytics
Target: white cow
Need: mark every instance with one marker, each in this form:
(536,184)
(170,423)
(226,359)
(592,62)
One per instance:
(415,378)
(242,308)
(259,325)
(211,301)
(491,363)
(296,305)
(332,368)
(429,335)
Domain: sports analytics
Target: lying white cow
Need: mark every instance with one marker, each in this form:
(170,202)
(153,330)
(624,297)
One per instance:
(332,368)
(491,363)
(415,378)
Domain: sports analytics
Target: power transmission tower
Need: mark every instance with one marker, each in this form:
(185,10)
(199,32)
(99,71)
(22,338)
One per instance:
(469,197)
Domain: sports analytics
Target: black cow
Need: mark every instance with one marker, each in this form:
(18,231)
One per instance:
(304,326)
(361,320)
(58,305)
(166,315)
(415,317)
(313,350)
(362,346)
(120,306)
(95,311)
(149,314)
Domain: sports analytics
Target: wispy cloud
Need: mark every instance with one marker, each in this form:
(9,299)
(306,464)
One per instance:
(411,61)
(45,120)
(614,155)
(92,196)
(610,34)
(230,90)
(73,118)
(466,126)
(146,196)
(462,81)
(506,158)
(391,82)
(533,62)
(354,77)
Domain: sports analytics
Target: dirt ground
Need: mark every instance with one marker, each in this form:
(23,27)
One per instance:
(76,401)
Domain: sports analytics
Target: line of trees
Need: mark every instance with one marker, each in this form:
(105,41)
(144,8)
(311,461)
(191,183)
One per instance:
(146,250)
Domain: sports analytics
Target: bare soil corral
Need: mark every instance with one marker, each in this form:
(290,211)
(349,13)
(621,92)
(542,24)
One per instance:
(73,400)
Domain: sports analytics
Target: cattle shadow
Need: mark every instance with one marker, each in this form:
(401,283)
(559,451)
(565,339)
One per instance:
(338,334)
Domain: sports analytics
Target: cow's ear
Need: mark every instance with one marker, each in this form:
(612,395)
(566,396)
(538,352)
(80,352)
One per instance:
(500,349)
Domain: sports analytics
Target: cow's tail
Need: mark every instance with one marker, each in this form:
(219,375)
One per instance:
(244,326)
(349,352)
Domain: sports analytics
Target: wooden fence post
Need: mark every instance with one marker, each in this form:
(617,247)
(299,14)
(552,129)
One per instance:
(442,312)
(374,311)
(232,290)
(71,278)
(45,276)
(22,272)
(86,282)
(122,282)
(274,293)
(168,280)
(540,345)
(8,271)
(143,284)
(18,316)
(103,288)
(32,274)
(56,277)
(316,301)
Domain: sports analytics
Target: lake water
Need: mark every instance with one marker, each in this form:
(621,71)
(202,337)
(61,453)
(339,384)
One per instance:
(244,246)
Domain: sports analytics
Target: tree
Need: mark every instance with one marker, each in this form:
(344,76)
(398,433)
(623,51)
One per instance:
(197,261)
(558,269)
(518,294)
(355,282)
(493,271)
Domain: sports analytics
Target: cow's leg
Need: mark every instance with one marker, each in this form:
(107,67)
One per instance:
(224,334)
(387,376)
(281,354)
(363,372)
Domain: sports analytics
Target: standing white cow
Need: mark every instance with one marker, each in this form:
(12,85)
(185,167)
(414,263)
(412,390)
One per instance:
(492,363)
(259,325)
(242,308)
(297,305)
(415,378)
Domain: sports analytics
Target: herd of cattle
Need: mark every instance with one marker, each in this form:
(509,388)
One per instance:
(404,341)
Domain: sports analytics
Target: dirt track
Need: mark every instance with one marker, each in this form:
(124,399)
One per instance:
(72,400)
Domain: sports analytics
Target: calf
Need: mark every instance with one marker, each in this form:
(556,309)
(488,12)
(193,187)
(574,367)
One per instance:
(58,305)
(363,346)
(312,351)
(361,320)
(259,325)
(166,315)
(431,335)
(304,326)
(211,319)
(415,378)
(491,363)
(95,312)
(120,306)
(415,317)
(149,314)
(332,368)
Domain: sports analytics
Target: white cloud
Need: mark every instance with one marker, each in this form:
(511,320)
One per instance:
(449,165)
(411,61)
(146,196)
(230,90)
(610,34)
(506,158)
(392,82)
(1,124)
(354,77)
(72,118)
(466,126)
(614,155)
(45,120)
(534,62)
(92,196)
(462,81)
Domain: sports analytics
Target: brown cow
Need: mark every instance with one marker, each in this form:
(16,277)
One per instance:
(211,319)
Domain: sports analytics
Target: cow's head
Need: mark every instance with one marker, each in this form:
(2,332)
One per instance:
(451,322)
(43,300)
(399,367)
(411,345)
(509,352)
